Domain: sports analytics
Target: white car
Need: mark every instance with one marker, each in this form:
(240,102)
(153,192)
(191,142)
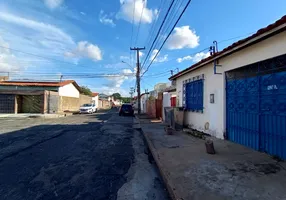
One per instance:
(88,108)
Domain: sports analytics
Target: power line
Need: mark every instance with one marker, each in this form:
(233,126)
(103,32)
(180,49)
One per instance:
(154,22)
(173,14)
(132,29)
(157,35)
(189,1)
(39,56)
(236,37)
(144,3)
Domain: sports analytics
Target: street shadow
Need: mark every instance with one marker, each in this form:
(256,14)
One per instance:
(44,130)
(80,163)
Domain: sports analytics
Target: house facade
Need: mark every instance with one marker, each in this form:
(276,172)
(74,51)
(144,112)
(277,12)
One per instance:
(40,97)
(95,99)
(104,101)
(240,93)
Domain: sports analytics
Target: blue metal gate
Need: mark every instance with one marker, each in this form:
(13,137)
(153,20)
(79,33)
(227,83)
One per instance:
(256,106)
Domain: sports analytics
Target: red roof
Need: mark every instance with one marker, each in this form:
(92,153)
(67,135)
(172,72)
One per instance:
(231,47)
(41,84)
(94,94)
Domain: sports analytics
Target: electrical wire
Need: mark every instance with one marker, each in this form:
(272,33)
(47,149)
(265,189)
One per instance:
(189,1)
(39,56)
(236,37)
(173,13)
(148,40)
(144,3)
(132,30)
(157,35)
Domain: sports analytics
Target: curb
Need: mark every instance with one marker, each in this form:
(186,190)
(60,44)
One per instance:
(164,174)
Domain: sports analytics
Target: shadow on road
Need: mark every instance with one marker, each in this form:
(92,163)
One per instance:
(65,161)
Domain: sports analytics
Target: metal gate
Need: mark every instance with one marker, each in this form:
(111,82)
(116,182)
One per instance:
(7,103)
(32,104)
(256,106)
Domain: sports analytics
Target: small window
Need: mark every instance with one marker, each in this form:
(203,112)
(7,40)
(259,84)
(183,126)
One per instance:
(194,95)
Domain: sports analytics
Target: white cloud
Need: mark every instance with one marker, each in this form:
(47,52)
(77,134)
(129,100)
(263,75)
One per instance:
(34,37)
(179,60)
(198,57)
(87,50)
(158,58)
(141,54)
(114,83)
(105,19)
(183,37)
(83,13)
(52,4)
(50,32)
(8,61)
(127,7)
(124,58)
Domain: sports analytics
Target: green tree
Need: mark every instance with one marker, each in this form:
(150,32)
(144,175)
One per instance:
(126,99)
(116,96)
(85,90)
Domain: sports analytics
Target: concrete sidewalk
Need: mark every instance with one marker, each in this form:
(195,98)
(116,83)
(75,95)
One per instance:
(234,172)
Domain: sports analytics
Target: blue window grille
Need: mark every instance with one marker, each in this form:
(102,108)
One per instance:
(194,92)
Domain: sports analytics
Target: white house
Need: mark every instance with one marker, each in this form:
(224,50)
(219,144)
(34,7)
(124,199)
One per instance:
(239,93)
(169,99)
(95,98)
(69,89)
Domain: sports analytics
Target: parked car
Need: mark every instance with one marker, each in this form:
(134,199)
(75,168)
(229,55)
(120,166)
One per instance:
(126,109)
(88,108)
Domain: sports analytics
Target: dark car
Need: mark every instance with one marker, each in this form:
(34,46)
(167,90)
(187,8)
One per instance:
(126,109)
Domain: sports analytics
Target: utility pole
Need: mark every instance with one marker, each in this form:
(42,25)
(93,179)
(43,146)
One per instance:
(131,92)
(137,49)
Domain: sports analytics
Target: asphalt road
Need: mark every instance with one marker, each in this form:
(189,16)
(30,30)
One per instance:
(96,156)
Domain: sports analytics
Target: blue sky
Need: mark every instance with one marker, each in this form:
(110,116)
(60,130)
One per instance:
(73,36)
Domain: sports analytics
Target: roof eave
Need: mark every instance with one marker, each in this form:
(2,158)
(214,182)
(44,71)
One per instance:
(250,42)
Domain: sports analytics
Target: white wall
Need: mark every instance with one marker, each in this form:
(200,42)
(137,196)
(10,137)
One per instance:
(95,101)
(214,114)
(143,103)
(166,103)
(69,90)
(117,102)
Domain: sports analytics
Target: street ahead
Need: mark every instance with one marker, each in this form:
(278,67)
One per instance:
(95,156)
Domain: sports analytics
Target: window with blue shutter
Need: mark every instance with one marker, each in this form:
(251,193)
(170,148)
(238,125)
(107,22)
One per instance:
(194,100)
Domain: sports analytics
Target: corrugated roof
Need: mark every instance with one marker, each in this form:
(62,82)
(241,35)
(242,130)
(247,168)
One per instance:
(40,84)
(209,59)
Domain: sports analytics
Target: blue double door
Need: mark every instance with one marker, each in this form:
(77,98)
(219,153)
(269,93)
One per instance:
(256,106)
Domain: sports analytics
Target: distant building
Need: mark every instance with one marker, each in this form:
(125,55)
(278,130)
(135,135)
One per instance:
(4,78)
(104,101)
(95,98)
(40,97)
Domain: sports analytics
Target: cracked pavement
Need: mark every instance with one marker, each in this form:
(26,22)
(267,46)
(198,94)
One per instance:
(97,156)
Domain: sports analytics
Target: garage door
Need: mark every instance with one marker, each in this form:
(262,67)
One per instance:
(256,106)
(32,104)
(7,103)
